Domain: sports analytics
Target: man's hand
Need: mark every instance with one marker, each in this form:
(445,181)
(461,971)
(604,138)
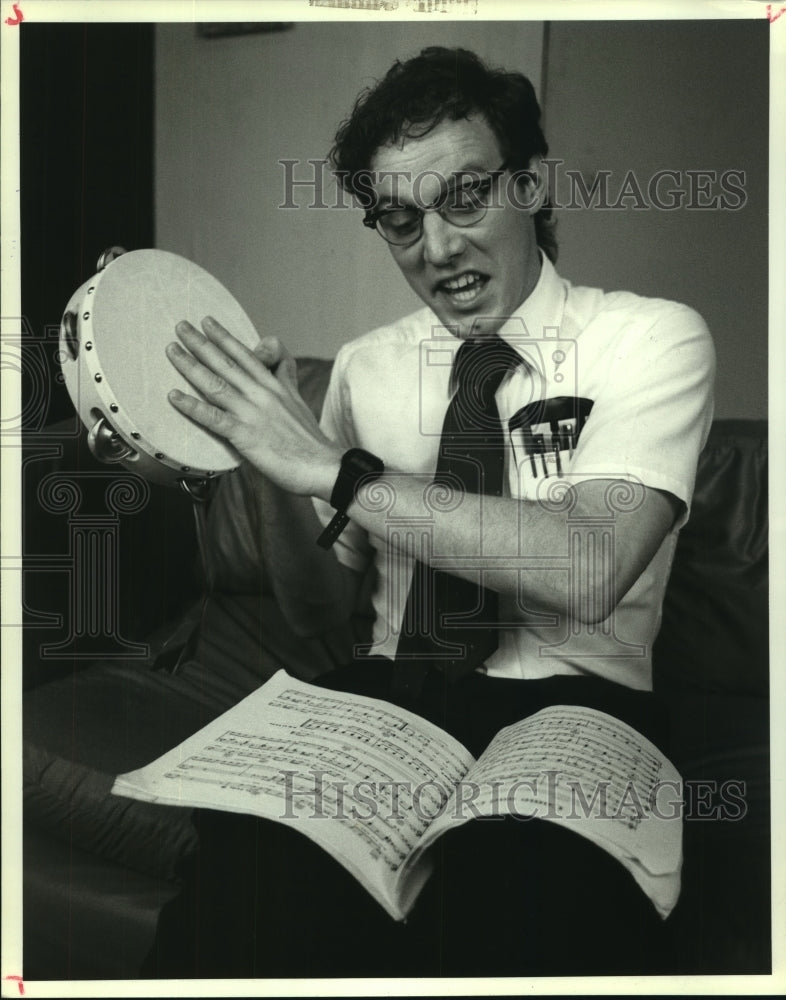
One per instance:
(254,404)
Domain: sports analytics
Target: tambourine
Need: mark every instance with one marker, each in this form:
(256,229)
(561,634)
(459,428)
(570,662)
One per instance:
(112,339)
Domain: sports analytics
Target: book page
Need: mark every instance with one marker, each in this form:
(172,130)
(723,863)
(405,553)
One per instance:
(360,777)
(590,772)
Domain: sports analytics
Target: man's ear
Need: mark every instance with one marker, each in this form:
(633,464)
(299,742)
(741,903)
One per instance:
(534,185)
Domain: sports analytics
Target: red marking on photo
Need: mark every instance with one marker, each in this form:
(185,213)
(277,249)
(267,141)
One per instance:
(770,15)
(19,16)
(18,979)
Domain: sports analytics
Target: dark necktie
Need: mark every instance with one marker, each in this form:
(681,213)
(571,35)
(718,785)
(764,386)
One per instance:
(451,623)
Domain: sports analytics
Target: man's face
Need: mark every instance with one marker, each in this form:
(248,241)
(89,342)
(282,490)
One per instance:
(473,278)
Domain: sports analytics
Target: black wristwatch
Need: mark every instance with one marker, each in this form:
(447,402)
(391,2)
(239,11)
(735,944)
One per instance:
(357,467)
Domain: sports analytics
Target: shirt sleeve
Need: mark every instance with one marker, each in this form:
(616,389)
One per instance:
(653,418)
(352,547)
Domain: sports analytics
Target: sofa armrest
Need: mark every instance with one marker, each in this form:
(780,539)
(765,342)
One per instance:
(108,557)
(234,531)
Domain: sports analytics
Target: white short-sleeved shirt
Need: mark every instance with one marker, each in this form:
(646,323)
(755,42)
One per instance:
(643,370)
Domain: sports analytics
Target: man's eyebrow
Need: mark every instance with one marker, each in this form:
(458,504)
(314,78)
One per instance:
(466,175)
(457,176)
(472,169)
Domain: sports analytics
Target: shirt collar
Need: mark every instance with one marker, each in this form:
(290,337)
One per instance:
(542,309)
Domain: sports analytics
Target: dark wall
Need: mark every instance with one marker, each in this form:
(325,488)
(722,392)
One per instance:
(86,109)
(86,102)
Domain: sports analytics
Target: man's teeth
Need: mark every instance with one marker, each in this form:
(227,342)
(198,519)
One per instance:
(461,282)
(464,286)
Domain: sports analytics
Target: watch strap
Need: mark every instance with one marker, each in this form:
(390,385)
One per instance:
(357,467)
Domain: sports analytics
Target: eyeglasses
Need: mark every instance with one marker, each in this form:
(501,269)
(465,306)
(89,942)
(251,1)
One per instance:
(463,204)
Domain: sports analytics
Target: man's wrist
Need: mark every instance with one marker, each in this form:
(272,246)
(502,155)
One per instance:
(357,467)
(328,474)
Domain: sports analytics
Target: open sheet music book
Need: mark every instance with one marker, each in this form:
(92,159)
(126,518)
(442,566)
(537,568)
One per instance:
(375,785)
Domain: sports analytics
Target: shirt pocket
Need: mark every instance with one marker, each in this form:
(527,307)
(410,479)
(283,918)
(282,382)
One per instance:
(543,438)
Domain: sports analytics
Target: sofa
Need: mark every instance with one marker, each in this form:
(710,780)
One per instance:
(127,651)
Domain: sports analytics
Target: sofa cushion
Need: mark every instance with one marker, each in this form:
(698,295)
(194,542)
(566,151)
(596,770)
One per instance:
(83,917)
(243,639)
(715,636)
(721,923)
(234,525)
(80,732)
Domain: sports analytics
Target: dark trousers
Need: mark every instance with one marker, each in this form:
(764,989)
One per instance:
(508,897)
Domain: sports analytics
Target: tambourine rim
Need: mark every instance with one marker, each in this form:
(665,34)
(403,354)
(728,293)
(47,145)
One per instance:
(114,406)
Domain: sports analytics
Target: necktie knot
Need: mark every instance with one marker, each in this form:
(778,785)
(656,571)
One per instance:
(479,369)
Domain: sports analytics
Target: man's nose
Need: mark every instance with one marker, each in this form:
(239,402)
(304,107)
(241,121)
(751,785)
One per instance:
(441,241)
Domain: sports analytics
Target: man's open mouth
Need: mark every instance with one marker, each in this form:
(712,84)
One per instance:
(464,288)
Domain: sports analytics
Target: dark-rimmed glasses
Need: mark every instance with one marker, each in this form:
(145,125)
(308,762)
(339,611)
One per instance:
(463,204)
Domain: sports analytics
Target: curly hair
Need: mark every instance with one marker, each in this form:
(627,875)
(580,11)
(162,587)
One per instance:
(440,84)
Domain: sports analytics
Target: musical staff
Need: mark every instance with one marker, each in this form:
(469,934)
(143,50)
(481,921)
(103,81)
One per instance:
(588,761)
(318,756)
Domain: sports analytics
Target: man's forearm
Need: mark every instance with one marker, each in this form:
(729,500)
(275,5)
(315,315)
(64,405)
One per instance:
(517,546)
(521,547)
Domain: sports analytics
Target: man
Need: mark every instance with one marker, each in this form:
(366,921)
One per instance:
(607,395)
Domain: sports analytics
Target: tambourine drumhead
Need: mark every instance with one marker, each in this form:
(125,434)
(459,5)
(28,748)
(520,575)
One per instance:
(115,365)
